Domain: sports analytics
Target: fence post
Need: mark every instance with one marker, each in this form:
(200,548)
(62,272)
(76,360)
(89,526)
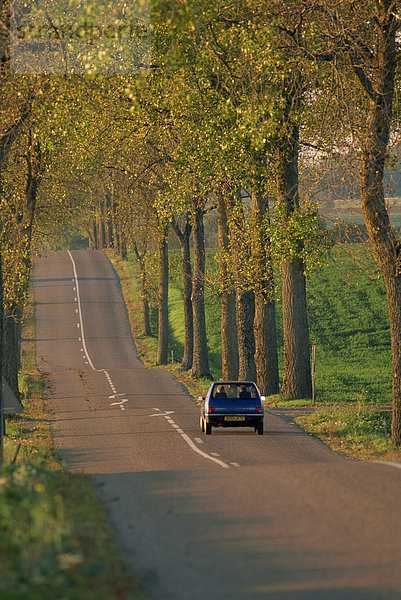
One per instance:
(313,372)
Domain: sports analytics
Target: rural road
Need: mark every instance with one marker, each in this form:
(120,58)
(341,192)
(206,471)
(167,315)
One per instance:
(231,516)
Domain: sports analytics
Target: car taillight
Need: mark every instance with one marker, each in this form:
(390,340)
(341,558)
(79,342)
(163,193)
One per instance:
(211,408)
(259,409)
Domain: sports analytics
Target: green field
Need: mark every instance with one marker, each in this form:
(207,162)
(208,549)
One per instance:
(348,322)
(358,219)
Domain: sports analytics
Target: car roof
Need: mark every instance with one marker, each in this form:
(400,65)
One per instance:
(233,383)
(238,383)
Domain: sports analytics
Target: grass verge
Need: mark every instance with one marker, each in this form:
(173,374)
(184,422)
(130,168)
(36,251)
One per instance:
(359,431)
(55,540)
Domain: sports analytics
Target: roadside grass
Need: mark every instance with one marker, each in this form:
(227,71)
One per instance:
(359,431)
(348,320)
(55,540)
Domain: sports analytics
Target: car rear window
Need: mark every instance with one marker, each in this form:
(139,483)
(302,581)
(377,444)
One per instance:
(246,394)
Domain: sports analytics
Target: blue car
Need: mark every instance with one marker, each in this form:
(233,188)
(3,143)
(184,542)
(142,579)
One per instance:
(232,404)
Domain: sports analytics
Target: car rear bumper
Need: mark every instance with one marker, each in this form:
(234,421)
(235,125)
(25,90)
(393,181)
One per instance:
(234,420)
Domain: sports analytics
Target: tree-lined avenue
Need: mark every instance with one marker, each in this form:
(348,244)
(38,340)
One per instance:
(277,516)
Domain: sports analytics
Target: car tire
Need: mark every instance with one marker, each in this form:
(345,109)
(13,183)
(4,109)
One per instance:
(208,428)
(260,428)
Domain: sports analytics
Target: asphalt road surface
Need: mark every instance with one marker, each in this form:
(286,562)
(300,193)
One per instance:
(231,516)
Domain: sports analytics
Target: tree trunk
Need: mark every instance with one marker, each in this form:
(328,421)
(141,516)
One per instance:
(8,138)
(2,422)
(393,288)
(118,235)
(144,297)
(187,359)
(92,235)
(200,364)
(297,380)
(264,326)
(106,220)
(117,240)
(100,226)
(99,233)
(141,258)
(123,248)
(246,338)
(145,311)
(229,334)
(11,346)
(103,230)
(183,238)
(162,346)
(109,219)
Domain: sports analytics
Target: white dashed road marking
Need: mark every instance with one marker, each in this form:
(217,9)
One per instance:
(80,326)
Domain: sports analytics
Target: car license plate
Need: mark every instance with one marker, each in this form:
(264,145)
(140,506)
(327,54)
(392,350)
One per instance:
(234,418)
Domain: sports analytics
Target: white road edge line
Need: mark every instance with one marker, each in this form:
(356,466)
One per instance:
(198,451)
(389,463)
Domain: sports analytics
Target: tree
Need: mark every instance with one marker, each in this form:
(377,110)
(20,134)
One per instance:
(240,242)
(360,40)
(200,363)
(162,347)
(141,258)
(297,381)
(229,334)
(373,53)
(183,234)
(266,358)
(23,165)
